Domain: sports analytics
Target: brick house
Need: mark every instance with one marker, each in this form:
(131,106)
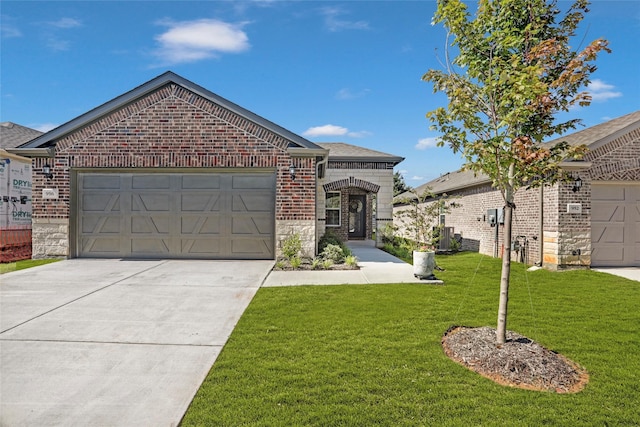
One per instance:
(559,226)
(172,170)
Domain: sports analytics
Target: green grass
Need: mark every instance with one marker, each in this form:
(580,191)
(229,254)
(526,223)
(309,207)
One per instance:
(371,355)
(27,263)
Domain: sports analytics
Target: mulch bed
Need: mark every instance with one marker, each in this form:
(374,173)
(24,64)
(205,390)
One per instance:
(520,362)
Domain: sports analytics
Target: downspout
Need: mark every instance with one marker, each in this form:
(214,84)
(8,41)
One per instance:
(541,232)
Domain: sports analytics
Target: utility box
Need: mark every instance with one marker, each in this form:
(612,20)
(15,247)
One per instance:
(495,216)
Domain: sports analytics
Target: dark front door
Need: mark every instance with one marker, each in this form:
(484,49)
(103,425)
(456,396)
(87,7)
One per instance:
(357,222)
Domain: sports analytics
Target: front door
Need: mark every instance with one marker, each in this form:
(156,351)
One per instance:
(357,222)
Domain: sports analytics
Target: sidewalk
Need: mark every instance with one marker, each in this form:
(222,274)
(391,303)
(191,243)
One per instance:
(376,266)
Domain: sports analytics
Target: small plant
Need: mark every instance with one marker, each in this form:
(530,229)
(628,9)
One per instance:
(281,265)
(455,244)
(295,262)
(330,238)
(351,261)
(291,246)
(334,253)
(316,264)
(326,264)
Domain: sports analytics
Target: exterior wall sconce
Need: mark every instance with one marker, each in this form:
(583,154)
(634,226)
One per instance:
(46,170)
(577,185)
(292,171)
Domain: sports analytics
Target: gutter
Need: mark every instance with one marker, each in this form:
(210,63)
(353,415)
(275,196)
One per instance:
(48,152)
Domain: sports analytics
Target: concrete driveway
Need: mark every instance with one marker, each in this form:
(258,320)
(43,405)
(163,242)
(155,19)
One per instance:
(115,342)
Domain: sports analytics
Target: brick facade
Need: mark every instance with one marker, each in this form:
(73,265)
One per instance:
(171,127)
(373,179)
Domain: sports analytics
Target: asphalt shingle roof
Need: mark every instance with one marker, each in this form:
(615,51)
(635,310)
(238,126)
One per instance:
(592,137)
(13,135)
(347,152)
(602,133)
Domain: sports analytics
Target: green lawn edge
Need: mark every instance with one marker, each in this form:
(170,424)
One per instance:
(371,354)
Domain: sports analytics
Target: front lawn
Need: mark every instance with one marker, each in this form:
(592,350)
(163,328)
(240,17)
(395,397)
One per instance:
(371,355)
(27,263)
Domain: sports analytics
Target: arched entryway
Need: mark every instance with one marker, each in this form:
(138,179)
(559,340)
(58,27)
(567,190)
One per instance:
(351,205)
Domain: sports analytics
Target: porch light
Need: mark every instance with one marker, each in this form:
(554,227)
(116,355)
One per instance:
(577,184)
(46,171)
(292,171)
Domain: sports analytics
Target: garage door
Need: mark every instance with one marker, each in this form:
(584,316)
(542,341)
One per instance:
(176,215)
(615,225)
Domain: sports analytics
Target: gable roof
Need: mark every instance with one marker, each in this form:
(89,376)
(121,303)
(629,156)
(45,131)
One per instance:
(598,135)
(12,134)
(49,138)
(342,152)
(593,137)
(446,183)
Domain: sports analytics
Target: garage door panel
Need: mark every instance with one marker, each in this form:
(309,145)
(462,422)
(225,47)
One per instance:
(252,182)
(151,202)
(199,182)
(252,225)
(101,246)
(150,225)
(150,182)
(174,215)
(101,225)
(250,247)
(143,246)
(200,202)
(609,254)
(102,182)
(200,246)
(101,202)
(253,202)
(200,225)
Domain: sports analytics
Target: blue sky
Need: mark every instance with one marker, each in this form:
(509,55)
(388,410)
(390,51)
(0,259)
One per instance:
(331,71)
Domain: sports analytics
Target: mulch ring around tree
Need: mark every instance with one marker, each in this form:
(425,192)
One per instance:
(519,362)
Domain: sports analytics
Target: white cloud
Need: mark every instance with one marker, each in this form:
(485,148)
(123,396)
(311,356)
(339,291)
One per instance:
(44,127)
(190,41)
(417,178)
(326,130)
(333,130)
(65,23)
(425,143)
(601,91)
(334,24)
(347,94)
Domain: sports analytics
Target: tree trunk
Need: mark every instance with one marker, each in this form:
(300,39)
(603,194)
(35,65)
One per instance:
(501,334)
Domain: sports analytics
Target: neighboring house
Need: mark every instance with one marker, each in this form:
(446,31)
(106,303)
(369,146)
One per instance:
(13,135)
(15,194)
(172,170)
(564,225)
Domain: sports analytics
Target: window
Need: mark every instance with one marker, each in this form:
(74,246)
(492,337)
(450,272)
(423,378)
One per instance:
(332,212)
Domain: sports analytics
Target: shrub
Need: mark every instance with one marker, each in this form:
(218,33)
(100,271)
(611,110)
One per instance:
(326,264)
(351,261)
(330,238)
(333,253)
(291,246)
(295,262)
(316,264)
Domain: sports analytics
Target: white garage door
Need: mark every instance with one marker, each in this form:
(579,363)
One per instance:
(615,224)
(176,215)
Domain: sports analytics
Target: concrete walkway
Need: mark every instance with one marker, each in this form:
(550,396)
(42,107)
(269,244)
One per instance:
(88,342)
(376,266)
(631,273)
